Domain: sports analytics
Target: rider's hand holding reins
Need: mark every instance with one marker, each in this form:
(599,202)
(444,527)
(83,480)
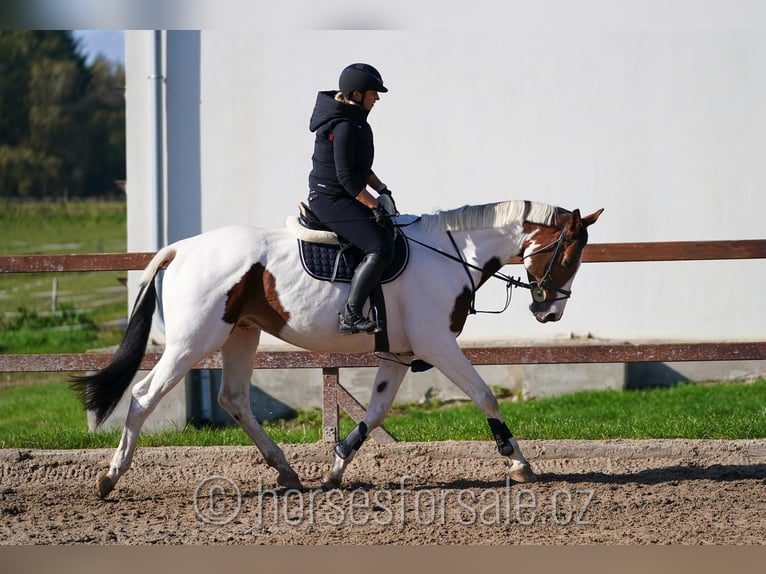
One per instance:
(386,201)
(382,217)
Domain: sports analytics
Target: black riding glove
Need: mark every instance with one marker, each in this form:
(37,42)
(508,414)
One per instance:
(387,201)
(382,217)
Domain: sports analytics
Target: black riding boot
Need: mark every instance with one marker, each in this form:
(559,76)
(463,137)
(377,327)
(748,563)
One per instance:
(366,276)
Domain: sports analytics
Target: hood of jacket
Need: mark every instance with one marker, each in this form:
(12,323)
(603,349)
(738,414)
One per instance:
(328,111)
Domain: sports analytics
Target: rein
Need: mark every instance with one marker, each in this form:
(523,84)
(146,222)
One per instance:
(537,289)
(510,282)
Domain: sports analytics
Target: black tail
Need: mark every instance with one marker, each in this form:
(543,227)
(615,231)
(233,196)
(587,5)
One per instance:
(101,391)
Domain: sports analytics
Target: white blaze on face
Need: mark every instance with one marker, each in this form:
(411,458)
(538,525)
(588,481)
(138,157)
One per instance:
(531,249)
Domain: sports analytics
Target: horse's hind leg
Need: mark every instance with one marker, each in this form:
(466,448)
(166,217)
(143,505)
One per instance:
(237,355)
(387,381)
(145,395)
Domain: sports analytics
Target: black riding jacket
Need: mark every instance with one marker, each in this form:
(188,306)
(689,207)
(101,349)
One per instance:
(343,147)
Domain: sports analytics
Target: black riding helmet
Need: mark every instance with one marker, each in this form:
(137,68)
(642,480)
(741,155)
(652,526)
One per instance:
(360,77)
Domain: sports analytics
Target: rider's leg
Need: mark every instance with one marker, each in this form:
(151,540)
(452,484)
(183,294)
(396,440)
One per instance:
(366,276)
(354,222)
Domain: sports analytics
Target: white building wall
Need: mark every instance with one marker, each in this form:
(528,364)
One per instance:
(662,127)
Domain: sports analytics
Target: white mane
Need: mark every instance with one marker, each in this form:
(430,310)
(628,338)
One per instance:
(490,215)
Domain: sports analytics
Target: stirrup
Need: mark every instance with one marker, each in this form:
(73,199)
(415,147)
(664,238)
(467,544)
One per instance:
(356,323)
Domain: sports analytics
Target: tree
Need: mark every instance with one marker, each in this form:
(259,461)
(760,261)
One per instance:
(106,125)
(62,127)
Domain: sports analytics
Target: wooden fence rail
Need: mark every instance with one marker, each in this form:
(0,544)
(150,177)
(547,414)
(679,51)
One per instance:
(594,253)
(335,396)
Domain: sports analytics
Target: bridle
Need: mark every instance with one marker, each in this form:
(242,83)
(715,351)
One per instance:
(538,289)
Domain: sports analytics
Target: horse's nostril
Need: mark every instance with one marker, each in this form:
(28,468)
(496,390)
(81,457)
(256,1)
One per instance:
(549,318)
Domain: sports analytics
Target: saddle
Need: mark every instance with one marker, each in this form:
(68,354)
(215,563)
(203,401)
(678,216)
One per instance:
(327,257)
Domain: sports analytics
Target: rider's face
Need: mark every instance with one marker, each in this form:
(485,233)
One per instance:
(369,99)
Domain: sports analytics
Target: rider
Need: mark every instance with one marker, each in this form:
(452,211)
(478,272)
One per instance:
(342,171)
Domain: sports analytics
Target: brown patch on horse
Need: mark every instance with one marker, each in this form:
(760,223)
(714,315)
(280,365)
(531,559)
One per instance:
(462,306)
(460,311)
(254,299)
(490,268)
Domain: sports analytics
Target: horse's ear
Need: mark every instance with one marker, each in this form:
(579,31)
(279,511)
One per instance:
(592,218)
(573,230)
(576,225)
(575,222)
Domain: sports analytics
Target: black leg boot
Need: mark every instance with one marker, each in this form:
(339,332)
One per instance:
(366,276)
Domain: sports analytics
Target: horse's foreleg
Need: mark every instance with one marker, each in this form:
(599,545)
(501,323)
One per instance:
(456,366)
(237,356)
(144,398)
(387,381)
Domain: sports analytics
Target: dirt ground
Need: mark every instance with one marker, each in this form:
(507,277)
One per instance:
(613,492)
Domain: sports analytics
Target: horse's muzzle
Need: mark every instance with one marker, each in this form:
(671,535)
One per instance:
(547,318)
(546,312)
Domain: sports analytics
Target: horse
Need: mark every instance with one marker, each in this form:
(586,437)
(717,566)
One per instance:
(222,288)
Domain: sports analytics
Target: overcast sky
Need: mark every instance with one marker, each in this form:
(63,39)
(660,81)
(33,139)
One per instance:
(109,43)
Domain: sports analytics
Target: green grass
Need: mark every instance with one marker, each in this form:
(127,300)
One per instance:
(54,227)
(60,332)
(709,411)
(49,416)
(91,226)
(715,411)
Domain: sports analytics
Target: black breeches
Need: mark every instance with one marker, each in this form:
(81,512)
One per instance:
(354,222)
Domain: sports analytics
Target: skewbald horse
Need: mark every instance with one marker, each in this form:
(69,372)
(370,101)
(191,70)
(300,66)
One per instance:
(222,288)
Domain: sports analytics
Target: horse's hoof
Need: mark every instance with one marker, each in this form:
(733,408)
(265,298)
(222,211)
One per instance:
(330,480)
(522,473)
(104,485)
(289,479)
